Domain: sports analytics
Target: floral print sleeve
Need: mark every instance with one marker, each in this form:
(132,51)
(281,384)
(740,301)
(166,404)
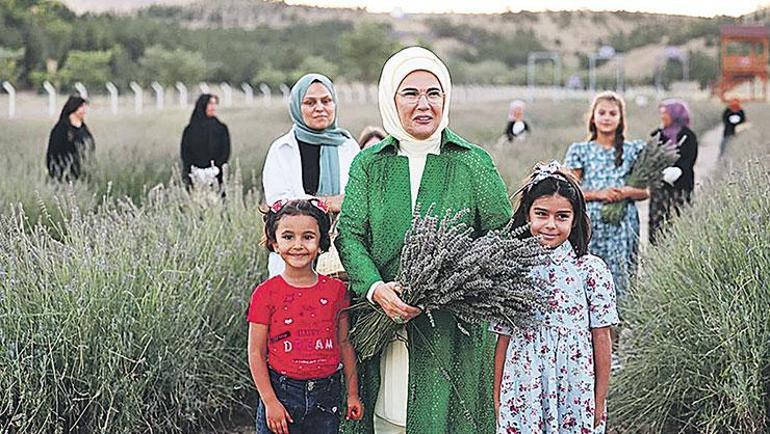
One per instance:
(574,158)
(500,329)
(636,148)
(600,293)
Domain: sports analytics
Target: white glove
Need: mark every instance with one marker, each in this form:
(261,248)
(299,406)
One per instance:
(734,119)
(518,127)
(204,176)
(671,174)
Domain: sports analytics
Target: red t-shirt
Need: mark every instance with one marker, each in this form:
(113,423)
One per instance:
(302,325)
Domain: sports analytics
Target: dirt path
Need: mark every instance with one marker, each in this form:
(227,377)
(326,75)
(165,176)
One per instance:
(707,162)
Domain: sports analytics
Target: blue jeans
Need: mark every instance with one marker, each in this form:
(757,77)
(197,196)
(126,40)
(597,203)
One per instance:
(315,405)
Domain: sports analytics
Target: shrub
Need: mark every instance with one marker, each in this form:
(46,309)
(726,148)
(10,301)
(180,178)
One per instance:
(698,351)
(92,68)
(169,66)
(127,319)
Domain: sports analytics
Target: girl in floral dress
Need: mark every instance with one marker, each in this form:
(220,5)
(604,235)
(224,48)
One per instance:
(602,165)
(554,378)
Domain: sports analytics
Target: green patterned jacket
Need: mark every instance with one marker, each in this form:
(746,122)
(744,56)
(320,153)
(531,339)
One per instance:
(450,375)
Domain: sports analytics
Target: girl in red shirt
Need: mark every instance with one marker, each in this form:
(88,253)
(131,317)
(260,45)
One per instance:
(298,331)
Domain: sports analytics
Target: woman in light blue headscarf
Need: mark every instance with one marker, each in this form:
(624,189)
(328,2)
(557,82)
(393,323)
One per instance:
(314,157)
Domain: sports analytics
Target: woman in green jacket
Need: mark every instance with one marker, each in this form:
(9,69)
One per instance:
(435,379)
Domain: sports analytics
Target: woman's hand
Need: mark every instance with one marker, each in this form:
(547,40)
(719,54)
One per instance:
(278,419)
(387,296)
(634,193)
(334,202)
(611,194)
(355,408)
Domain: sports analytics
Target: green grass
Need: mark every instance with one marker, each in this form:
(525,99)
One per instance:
(697,358)
(133,321)
(122,299)
(137,152)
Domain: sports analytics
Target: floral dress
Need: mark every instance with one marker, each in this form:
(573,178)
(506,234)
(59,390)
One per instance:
(548,378)
(616,244)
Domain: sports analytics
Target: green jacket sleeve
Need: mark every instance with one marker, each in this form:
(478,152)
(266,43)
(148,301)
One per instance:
(494,207)
(354,231)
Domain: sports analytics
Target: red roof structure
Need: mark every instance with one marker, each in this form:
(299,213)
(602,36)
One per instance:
(745,55)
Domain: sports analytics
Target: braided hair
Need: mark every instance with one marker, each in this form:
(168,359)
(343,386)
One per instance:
(620,132)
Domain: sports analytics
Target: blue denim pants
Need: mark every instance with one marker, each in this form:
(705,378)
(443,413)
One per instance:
(315,405)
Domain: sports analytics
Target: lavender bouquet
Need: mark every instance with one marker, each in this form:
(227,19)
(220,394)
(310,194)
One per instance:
(443,267)
(646,173)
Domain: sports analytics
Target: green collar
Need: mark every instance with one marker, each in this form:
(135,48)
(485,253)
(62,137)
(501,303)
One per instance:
(447,136)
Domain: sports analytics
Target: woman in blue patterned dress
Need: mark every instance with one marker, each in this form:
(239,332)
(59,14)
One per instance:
(602,165)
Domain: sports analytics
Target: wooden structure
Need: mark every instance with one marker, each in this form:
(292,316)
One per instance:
(745,54)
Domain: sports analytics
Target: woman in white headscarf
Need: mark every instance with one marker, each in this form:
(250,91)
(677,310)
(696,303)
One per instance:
(441,381)
(517,127)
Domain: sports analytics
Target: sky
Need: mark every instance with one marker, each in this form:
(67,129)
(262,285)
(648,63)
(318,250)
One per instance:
(707,8)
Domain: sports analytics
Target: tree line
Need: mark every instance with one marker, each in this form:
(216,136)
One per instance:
(43,40)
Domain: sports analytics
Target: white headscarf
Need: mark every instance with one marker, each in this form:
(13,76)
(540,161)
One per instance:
(395,70)
(515,104)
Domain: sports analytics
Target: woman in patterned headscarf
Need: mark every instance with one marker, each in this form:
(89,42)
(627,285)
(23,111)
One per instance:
(313,158)
(679,178)
(441,380)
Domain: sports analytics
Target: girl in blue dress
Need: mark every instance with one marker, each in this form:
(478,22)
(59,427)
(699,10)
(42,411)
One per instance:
(602,165)
(554,379)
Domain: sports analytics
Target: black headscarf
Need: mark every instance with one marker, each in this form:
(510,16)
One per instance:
(71,106)
(204,140)
(68,145)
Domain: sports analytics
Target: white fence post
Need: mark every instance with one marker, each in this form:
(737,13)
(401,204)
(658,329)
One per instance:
(51,91)
(204,87)
(11,99)
(81,89)
(285,91)
(138,103)
(248,93)
(227,94)
(159,94)
(113,90)
(182,89)
(267,94)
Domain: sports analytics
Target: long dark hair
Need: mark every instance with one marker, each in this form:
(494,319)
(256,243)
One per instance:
(620,133)
(563,183)
(312,207)
(73,103)
(199,112)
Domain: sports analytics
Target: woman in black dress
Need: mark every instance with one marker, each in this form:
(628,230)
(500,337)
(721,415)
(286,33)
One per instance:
(679,178)
(205,140)
(731,118)
(70,143)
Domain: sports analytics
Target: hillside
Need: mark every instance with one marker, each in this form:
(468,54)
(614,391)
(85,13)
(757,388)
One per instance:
(573,34)
(272,42)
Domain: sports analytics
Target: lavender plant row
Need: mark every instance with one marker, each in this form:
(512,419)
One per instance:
(646,173)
